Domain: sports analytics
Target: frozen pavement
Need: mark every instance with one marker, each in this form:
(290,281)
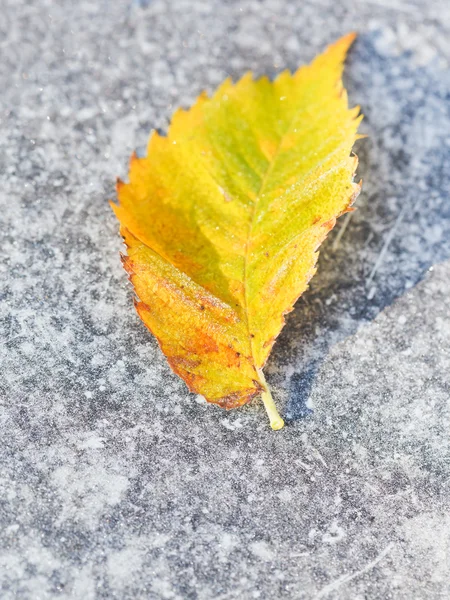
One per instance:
(115,482)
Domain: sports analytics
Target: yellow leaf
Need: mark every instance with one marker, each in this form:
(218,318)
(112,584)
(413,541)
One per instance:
(223,218)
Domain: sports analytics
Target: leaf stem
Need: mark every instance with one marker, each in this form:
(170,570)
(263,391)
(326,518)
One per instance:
(276,422)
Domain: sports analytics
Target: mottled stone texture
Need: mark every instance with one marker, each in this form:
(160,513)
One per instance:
(116,483)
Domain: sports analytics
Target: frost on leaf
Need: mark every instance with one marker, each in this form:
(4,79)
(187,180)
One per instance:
(224,216)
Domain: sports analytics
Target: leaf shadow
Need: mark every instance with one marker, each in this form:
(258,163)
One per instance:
(401,227)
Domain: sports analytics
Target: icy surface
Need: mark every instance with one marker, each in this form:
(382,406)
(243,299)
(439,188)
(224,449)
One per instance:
(115,482)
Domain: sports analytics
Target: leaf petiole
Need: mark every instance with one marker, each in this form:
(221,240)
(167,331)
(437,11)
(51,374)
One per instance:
(276,422)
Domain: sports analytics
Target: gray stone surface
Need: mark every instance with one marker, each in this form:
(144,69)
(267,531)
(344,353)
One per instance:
(115,482)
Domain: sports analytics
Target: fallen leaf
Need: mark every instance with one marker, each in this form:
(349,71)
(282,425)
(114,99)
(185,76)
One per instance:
(223,219)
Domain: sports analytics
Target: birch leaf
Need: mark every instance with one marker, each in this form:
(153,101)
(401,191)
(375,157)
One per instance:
(224,216)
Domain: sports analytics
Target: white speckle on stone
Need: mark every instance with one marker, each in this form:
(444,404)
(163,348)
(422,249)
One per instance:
(371,293)
(123,565)
(285,495)
(262,550)
(334,534)
(310,402)
(92,442)
(83,587)
(87,491)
